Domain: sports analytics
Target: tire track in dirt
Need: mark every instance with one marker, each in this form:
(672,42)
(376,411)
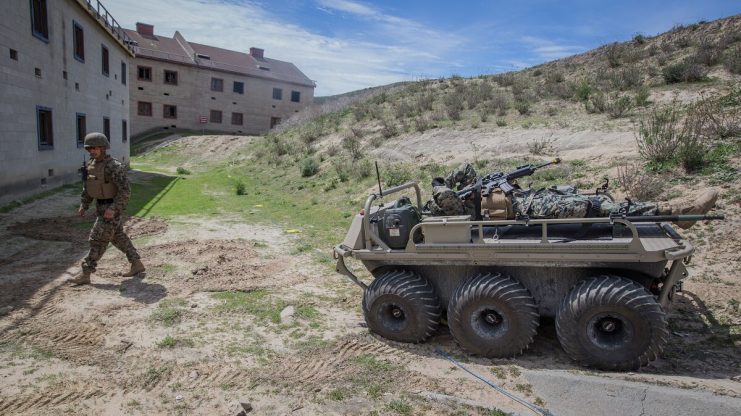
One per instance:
(329,365)
(51,397)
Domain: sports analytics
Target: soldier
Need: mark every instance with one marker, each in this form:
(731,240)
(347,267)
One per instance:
(559,202)
(108,185)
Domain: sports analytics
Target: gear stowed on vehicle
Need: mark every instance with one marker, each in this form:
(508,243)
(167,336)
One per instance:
(608,282)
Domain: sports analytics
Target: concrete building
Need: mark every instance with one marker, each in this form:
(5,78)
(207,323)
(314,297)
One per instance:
(185,85)
(64,68)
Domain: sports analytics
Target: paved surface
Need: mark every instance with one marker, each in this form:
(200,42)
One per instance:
(574,395)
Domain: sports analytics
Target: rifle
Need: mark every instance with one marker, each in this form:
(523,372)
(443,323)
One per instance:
(486,185)
(83,173)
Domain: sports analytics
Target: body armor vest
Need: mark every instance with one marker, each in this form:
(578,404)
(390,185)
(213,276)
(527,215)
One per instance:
(98,186)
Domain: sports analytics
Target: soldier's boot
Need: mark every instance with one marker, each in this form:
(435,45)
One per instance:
(136,268)
(82,278)
(700,206)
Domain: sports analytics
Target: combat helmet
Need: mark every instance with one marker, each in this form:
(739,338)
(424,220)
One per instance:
(97,139)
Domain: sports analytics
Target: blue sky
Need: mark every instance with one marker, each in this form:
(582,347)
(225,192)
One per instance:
(346,45)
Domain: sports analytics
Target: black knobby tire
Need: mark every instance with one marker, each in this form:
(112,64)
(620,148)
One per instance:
(402,306)
(493,315)
(611,323)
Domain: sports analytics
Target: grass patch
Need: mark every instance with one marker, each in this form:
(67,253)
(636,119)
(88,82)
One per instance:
(399,406)
(24,351)
(337,394)
(172,342)
(257,303)
(169,311)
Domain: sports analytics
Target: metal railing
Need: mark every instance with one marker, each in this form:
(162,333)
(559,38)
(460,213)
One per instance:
(110,23)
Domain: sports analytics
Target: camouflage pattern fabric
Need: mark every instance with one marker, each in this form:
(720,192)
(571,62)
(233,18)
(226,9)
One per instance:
(461,176)
(550,204)
(115,173)
(109,231)
(445,202)
(104,232)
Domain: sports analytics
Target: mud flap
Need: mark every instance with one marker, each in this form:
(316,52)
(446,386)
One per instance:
(676,273)
(342,269)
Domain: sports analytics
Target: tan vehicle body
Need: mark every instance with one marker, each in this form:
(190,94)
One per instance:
(547,260)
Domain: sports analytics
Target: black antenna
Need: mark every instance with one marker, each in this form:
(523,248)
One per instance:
(378,176)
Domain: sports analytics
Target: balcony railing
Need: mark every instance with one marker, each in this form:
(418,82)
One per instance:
(110,23)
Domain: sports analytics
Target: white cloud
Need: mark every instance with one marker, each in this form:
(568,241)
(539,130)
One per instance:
(548,49)
(390,49)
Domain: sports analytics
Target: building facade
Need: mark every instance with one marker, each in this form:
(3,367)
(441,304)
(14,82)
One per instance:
(64,72)
(185,85)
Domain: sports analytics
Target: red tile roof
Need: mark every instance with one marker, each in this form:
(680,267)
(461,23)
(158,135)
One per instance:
(219,59)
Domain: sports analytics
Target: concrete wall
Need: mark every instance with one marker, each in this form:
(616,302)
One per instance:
(194,98)
(24,167)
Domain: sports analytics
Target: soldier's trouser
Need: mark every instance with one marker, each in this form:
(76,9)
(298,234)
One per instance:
(104,232)
(549,204)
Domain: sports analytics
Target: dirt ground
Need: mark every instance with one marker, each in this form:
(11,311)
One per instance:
(231,312)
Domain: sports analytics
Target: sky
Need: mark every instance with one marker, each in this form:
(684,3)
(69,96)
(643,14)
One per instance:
(347,45)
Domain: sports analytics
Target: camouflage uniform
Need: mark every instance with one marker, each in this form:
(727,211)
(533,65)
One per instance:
(552,203)
(109,231)
(563,202)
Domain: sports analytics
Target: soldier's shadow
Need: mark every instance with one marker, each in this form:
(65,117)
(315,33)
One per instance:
(137,289)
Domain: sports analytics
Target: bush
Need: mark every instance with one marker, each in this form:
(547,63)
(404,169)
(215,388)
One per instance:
(363,169)
(732,60)
(397,174)
(553,77)
(182,171)
(618,106)
(544,146)
(614,54)
(597,103)
(501,122)
(343,169)
(309,167)
(352,144)
(523,107)
(626,78)
(240,188)
(501,103)
(686,71)
(659,134)
(421,123)
(707,53)
(641,98)
(638,184)
(583,90)
(639,39)
(388,129)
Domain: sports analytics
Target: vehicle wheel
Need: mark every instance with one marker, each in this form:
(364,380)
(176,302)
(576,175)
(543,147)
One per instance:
(402,306)
(493,315)
(611,323)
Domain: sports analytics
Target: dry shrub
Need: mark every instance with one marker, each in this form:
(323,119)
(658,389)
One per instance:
(353,146)
(659,134)
(543,146)
(619,105)
(638,184)
(388,129)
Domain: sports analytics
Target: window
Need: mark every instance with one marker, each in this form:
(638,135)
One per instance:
(295,96)
(107,127)
(104,58)
(124,131)
(239,87)
(169,111)
(78,41)
(14,54)
(81,129)
(145,73)
(44,126)
(39,24)
(144,109)
(277,94)
(274,121)
(237,119)
(217,84)
(123,73)
(215,116)
(171,77)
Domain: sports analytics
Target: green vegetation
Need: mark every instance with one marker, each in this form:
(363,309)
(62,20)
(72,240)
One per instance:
(171,342)
(169,311)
